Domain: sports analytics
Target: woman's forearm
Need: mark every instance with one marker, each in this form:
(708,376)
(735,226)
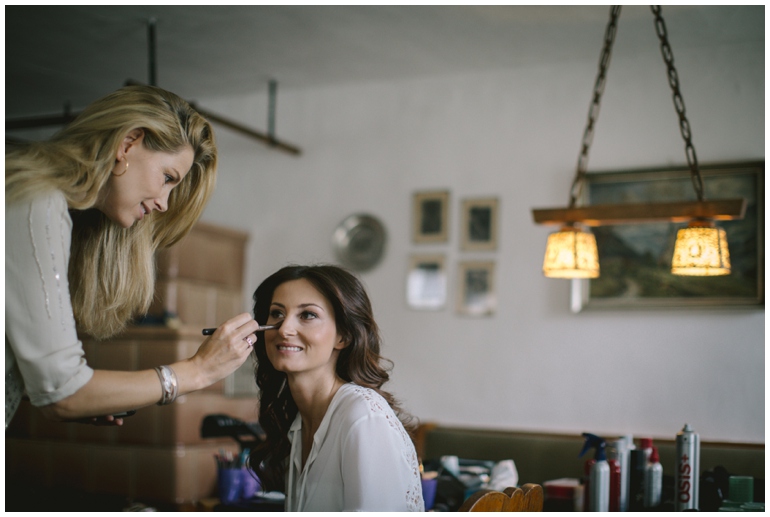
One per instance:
(110,392)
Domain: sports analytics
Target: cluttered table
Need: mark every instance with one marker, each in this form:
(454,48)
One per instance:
(728,473)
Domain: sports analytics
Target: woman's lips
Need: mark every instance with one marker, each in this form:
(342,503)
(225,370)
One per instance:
(288,348)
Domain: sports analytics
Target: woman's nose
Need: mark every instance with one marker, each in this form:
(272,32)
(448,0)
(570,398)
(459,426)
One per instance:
(161,203)
(286,328)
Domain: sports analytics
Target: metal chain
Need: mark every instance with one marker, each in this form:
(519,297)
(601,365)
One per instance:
(593,110)
(673,81)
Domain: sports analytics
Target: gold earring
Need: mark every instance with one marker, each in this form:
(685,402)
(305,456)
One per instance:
(124,170)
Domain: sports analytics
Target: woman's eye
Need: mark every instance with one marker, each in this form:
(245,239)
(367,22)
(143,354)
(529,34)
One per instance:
(309,315)
(275,314)
(169,178)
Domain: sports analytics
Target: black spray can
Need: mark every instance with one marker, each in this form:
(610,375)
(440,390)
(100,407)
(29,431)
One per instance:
(687,469)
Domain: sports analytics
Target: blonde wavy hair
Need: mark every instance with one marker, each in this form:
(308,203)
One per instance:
(112,269)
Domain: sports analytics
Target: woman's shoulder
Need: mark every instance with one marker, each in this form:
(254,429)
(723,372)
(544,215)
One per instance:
(362,409)
(52,199)
(42,211)
(358,401)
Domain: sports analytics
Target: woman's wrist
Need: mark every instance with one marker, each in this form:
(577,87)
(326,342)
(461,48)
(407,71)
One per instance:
(169,384)
(190,375)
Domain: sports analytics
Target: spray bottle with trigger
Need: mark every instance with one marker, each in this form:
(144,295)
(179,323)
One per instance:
(597,490)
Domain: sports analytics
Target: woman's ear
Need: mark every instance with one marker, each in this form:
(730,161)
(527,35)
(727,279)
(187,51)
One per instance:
(340,343)
(132,139)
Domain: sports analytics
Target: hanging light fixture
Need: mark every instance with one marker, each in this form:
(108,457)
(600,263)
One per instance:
(700,249)
(571,252)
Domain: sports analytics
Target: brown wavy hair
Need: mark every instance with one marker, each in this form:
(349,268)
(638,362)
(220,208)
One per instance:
(112,271)
(359,362)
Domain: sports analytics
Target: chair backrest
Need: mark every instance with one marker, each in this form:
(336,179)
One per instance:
(528,498)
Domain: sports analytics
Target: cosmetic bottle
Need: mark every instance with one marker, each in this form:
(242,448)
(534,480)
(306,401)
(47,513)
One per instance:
(620,450)
(686,475)
(598,475)
(614,485)
(645,444)
(653,480)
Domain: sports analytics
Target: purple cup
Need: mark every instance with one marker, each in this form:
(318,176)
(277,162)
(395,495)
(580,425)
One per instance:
(429,492)
(250,483)
(230,483)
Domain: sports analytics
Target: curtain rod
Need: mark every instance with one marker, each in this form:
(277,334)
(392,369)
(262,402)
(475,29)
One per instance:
(67,117)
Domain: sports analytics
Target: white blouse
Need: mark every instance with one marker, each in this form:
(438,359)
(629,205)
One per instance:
(41,343)
(362,459)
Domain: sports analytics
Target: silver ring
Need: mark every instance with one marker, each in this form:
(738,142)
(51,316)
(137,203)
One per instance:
(248,340)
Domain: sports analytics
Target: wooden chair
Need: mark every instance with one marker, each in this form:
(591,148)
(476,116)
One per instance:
(528,498)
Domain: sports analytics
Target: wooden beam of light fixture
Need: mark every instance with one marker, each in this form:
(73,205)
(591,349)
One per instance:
(631,213)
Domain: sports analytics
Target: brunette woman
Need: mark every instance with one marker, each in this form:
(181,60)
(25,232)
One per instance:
(335,438)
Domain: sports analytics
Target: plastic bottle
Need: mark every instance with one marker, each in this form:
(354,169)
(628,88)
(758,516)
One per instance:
(645,444)
(636,465)
(620,451)
(614,485)
(598,471)
(625,473)
(653,480)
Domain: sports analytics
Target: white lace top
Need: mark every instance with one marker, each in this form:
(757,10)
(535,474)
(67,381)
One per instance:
(361,460)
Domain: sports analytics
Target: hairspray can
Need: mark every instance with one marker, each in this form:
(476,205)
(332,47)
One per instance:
(687,469)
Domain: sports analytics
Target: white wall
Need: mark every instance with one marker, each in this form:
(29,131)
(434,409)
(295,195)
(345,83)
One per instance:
(515,135)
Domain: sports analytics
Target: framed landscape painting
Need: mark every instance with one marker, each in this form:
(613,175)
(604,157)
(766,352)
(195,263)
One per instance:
(635,259)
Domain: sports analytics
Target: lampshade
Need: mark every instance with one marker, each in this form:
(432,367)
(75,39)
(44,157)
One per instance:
(571,253)
(701,250)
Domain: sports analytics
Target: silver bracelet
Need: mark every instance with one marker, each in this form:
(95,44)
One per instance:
(168,383)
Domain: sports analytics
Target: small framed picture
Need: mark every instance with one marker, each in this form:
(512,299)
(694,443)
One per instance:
(430,216)
(426,282)
(477,289)
(479,224)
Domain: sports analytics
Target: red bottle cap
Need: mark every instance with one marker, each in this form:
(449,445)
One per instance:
(646,443)
(654,458)
(563,488)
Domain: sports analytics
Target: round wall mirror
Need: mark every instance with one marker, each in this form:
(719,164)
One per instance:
(359,241)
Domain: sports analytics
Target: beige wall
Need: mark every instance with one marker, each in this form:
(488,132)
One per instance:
(514,134)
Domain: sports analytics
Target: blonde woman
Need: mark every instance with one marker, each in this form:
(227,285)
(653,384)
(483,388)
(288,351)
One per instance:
(84,214)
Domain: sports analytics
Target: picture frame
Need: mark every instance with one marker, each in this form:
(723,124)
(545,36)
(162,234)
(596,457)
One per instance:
(479,224)
(430,216)
(635,259)
(426,283)
(476,293)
